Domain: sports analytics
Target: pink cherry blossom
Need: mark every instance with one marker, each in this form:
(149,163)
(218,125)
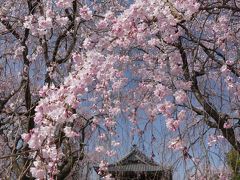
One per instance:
(69,132)
(85,13)
(103,166)
(214,139)
(62,21)
(115,143)
(166,108)
(26,137)
(99,149)
(44,23)
(64,3)
(38,173)
(176,144)
(227,125)
(181,115)
(180,96)
(172,124)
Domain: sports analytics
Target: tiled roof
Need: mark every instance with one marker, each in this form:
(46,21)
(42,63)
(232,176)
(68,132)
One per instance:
(133,167)
(134,157)
(136,161)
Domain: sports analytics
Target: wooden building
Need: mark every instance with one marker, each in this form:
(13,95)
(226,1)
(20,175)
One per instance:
(137,166)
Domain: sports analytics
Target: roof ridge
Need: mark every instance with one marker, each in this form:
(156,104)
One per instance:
(139,155)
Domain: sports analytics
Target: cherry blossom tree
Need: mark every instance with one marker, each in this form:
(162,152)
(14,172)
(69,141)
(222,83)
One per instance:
(40,42)
(72,71)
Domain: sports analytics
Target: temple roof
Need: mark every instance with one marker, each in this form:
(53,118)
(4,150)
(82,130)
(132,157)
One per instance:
(135,161)
(134,167)
(136,157)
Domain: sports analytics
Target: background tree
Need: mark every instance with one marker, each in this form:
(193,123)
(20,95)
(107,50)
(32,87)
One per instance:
(234,163)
